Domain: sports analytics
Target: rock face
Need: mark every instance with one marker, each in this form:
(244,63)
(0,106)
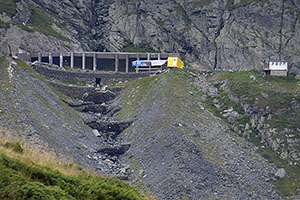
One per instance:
(213,33)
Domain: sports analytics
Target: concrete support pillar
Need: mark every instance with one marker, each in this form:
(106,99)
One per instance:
(61,60)
(158,56)
(127,62)
(50,59)
(40,57)
(83,60)
(138,57)
(72,60)
(148,56)
(28,57)
(116,62)
(94,62)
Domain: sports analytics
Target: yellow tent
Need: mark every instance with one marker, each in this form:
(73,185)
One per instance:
(175,62)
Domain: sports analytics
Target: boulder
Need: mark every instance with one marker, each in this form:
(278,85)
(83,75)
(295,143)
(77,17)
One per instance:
(281,173)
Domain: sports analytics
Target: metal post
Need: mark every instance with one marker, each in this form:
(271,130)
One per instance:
(50,59)
(72,60)
(83,60)
(138,57)
(61,60)
(148,56)
(158,56)
(94,62)
(127,62)
(116,62)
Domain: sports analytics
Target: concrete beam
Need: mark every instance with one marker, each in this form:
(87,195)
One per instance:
(106,56)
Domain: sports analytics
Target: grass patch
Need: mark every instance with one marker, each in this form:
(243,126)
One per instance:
(9,7)
(180,11)
(289,185)
(42,22)
(15,146)
(20,180)
(160,23)
(231,6)
(3,24)
(28,176)
(201,3)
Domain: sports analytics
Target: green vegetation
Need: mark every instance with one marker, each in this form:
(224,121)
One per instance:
(201,3)
(276,93)
(231,6)
(289,185)
(8,6)
(160,23)
(181,12)
(27,180)
(143,48)
(3,24)
(15,146)
(42,22)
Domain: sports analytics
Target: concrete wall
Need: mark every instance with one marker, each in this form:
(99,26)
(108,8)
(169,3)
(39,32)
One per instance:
(278,73)
(75,76)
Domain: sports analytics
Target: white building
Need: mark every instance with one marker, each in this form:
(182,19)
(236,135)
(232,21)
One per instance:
(277,69)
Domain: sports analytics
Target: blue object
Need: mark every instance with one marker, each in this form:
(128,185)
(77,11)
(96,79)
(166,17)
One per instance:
(136,63)
(230,70)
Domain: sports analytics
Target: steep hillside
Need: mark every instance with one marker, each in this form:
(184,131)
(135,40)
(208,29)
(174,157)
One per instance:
(35,111)
(26,174)
(181,150)
(238,34)
(179,134)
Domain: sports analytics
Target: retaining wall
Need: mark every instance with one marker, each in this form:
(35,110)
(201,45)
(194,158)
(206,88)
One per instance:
(76,76)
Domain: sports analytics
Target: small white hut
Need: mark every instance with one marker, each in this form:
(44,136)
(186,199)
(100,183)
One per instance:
(277,69)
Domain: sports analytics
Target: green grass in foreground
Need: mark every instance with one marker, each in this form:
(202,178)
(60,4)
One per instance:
(25,180)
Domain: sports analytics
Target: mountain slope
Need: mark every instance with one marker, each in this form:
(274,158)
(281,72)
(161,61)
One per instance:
(33,109)
(180,150)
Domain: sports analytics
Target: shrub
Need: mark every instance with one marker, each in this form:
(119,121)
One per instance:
(15,146)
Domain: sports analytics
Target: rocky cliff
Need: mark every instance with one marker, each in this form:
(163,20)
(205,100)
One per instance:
(238,34)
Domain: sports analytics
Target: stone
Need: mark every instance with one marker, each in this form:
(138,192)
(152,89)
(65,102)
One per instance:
(264,95)
(281,173)
(96,133)
(252,77)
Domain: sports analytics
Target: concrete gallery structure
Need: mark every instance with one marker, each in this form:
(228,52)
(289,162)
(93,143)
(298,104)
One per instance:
(96,61)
